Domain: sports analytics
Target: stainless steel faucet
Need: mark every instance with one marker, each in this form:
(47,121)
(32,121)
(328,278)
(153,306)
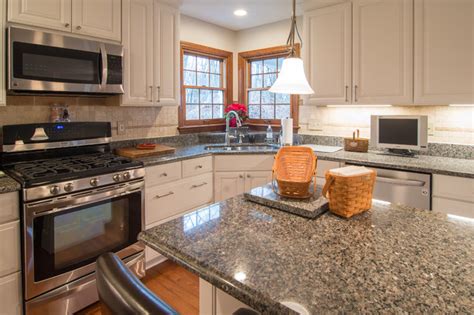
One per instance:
(227,119)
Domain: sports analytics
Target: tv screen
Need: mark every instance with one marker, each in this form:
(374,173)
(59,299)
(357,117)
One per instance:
(398,131)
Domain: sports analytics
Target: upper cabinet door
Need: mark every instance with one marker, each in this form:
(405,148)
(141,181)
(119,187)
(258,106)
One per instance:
(383,52)
(444,51)
(328,53)
(137,37)
(54,14)
(98,18)
(167,60)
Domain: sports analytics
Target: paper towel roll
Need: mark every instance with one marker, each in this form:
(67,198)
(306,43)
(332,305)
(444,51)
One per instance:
(287,131)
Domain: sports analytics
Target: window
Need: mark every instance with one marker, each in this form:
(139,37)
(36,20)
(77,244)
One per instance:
(258,70)
(206,85)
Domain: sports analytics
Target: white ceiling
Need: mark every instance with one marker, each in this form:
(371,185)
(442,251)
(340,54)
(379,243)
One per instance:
(221,12)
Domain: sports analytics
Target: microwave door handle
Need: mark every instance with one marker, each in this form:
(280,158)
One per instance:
(105,68)
(401,182)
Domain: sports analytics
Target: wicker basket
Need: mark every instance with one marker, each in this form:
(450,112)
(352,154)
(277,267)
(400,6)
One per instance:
(294,169)
(356,144)
(349,195)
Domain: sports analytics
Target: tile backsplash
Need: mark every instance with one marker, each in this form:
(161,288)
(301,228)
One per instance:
(140,122)
(446,124)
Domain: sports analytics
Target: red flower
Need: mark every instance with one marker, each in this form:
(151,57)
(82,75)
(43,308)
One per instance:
(240,109)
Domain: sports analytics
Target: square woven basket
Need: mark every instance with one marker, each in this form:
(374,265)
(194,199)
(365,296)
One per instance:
(349,195)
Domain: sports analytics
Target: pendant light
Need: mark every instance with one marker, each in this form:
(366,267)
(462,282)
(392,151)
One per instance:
(292,79)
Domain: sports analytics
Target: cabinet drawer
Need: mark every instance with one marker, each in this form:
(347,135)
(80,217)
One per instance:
(10,208)
(197,166)
(453,187)
(324,166)
(162,174)
(9,247)
(252,162)
(10,294)
(197,191)
(456,207)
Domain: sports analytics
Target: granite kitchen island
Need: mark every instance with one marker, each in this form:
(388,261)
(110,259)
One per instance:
(391,259)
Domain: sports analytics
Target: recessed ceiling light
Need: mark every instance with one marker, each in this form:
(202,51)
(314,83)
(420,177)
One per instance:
(240,12)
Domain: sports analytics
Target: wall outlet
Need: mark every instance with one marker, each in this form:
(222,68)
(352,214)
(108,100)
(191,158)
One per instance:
(315,125)
(121,128)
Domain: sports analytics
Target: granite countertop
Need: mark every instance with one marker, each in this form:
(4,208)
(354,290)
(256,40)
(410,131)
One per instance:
(392,258)
(7,184)
(420,163)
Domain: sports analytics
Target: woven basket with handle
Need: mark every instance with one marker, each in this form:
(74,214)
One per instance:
(356,144)
(349,195)
(293,170)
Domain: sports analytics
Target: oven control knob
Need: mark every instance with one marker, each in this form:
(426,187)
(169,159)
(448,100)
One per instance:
(126,176)
(68,187)
(54,190)
(116,177)
(94,182)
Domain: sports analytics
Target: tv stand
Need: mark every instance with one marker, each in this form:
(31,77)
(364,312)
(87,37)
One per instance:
(399,152)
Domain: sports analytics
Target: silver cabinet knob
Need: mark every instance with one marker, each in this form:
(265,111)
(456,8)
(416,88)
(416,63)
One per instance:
(249,176)
(116,177)
(78,27)
(94,182)
(68,187)
(126,176)
(54,190)
(66,25)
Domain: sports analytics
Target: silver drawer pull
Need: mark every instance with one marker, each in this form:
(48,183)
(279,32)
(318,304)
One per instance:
(165,195)
(199,166)
(163,174)
(400,182)
(200,185)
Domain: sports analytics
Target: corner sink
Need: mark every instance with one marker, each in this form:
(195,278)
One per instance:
(242,147)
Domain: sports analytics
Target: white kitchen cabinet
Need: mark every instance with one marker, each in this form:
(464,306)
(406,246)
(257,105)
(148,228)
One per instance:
(328,51)
(10,247)
(197,166)
(97,18)
(53,14)
(3,8)
(382,51)
(151,53)
(215,301)
(10,294)
(228,185)
(453,195)
(444,51)
(322,167)
(256,179)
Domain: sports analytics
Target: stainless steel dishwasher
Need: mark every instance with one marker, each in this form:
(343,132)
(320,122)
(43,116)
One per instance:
(407,188)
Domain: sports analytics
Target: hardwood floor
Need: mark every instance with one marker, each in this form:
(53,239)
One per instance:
(172,283)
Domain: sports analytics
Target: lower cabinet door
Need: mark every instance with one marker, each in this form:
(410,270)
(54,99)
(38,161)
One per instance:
(10,248)
(454,207)
(10,294)
(228,185)
(257,179)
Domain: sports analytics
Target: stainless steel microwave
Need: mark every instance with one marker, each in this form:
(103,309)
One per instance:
(40,62)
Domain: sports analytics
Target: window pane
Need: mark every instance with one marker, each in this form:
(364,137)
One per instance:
(202,79)
(215,80)
(257,81)
(282,98)
(218,97)
(270,65)
(254,97)
(268,98)
(206,97)
(215,66)
(269,79)
(256,67)
(254,111)
(218,111)
(267,111)
(189,62)
(206,112)
(192,96)
(280,63)
(203,64)
(282,111)
(192,112)
(189,78)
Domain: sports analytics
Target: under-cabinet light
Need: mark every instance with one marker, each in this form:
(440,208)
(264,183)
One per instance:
(358,106)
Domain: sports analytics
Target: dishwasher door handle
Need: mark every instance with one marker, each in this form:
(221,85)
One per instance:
(401,182)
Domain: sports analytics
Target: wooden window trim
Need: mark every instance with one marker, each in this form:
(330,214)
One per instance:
(244,59)
(187,126)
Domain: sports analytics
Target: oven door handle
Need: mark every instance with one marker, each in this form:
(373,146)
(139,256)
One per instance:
(400,182)
(58,205)
(105,66)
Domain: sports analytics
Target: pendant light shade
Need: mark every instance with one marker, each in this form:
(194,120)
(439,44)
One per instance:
(292,79)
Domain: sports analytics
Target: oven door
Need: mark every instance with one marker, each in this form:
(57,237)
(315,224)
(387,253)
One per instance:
(65,235)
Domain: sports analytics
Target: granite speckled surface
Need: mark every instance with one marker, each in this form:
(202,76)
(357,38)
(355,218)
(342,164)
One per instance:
(7,184)
(391,259)
(309,208)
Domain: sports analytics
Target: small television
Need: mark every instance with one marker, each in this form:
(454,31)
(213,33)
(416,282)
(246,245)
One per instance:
(400,134)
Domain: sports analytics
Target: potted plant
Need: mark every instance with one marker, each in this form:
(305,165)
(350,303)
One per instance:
(240,109)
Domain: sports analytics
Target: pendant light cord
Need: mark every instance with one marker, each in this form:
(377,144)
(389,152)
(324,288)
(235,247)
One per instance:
(293,32)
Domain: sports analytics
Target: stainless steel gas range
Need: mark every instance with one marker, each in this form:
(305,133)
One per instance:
(78,201)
